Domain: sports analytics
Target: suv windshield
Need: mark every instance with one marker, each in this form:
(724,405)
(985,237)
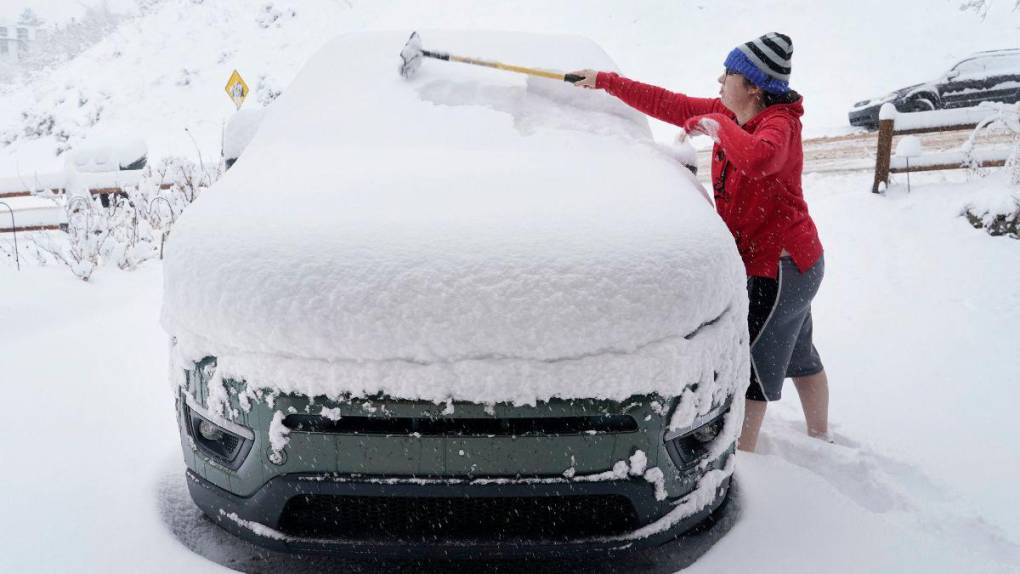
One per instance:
(999,64)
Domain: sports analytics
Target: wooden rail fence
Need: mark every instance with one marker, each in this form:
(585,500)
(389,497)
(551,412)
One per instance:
(926,123)
(101,191)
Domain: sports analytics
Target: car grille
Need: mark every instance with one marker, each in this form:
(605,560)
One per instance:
(430,519)
(427,426)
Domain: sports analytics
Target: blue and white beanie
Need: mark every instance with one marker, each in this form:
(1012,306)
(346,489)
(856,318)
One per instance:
(765,61)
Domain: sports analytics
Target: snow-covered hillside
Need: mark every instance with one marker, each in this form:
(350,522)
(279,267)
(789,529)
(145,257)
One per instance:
(161,75)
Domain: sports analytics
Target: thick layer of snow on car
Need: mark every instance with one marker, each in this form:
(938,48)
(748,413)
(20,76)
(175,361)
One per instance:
(240,130)
(467,234)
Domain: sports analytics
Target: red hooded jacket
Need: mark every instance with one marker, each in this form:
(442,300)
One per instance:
(756,172)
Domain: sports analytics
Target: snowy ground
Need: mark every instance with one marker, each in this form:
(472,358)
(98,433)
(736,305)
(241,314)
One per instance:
(916,321)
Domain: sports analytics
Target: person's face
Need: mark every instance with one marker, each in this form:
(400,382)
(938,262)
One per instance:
(735,93)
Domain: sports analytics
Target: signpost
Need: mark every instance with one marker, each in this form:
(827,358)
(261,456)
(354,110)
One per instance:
(237,89)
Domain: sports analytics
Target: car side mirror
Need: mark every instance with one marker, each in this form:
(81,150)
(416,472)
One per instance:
(952,74)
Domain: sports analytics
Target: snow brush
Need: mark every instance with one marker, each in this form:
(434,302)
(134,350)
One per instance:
(412,54)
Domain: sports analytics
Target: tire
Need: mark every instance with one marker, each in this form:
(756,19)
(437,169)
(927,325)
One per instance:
(920,105)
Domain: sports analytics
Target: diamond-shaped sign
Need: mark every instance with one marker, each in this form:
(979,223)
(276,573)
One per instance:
(237,89)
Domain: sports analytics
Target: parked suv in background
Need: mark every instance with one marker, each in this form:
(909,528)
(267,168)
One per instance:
(992,76)
(466,314)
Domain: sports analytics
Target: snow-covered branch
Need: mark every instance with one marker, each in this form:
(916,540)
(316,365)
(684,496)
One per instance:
(981,7)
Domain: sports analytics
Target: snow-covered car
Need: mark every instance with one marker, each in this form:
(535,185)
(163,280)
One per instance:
(238,133)
(992,76)
(467,314)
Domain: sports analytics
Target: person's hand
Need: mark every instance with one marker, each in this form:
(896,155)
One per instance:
(588,80)
(703,125)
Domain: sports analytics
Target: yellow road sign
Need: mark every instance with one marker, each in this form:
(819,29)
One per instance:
(237,89)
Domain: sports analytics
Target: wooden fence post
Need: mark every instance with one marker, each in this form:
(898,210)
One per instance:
(887,119)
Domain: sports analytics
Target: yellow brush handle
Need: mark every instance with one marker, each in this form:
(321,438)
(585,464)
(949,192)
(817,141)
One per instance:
(507,67)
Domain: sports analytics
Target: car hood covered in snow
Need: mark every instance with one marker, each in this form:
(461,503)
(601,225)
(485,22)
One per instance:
(467,233)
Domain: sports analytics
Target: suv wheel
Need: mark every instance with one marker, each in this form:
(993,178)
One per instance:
(921,104)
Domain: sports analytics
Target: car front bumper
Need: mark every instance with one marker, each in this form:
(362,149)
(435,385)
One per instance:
(257,518)
(865,117)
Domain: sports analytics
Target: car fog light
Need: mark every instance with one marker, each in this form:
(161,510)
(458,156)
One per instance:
(277,457)
(707,433)
(209,431)
(227,446)
(688,449)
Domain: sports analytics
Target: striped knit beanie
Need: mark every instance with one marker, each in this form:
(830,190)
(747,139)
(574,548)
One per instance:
(765,61)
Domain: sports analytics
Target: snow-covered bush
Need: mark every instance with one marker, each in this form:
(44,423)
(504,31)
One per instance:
(1001,216)
(999,219)
(981,7)
(65,115)
(1000,115)
(273,15)
(133,226)
(186,177)
(267,90)
(88,229)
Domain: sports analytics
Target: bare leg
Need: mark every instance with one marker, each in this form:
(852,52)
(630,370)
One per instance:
(814,398)
(754,414)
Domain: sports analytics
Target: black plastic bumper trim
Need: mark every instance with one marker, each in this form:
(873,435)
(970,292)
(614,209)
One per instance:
(266,505)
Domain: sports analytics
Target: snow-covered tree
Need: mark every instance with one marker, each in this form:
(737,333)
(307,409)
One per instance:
(981,7)
(68,40)
(29,18)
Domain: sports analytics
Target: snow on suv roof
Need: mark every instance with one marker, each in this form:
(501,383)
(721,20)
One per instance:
(415,236)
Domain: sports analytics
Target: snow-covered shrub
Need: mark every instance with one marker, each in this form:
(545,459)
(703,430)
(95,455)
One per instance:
(997,220)
(1001,216)
(184,77)
(66,116)
(187,178)
(1000,115)
(132,227)
(273,15)
(267,90)
(28,251)
(981,7)
(88,228)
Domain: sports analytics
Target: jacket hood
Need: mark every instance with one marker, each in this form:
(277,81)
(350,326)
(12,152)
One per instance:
(794,109)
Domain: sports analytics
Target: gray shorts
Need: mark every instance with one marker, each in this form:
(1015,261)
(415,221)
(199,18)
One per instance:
(779,321)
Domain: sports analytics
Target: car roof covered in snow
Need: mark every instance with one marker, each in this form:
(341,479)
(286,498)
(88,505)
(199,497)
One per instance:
(462,214)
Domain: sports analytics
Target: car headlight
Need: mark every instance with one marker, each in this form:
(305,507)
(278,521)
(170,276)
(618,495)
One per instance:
(877,101)
(688,447)
(222,441)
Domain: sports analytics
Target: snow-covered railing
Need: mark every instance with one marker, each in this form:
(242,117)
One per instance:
(57,183)
(892,123)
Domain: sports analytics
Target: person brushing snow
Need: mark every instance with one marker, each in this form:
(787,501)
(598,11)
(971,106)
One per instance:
(757,162)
